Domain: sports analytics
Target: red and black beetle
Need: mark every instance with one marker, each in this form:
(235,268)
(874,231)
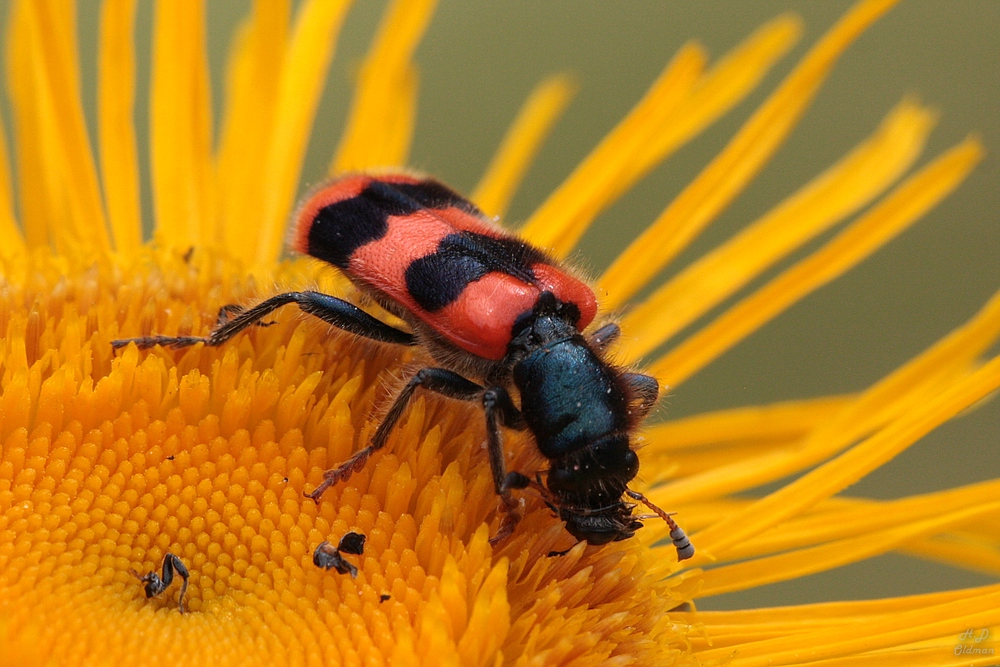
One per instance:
(485,305)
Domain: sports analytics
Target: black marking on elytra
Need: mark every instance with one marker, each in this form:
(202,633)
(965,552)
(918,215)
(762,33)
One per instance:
(341,228)
(462,258)
(432,194)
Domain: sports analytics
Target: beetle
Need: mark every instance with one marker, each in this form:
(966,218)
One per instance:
(154,584)
(485,305)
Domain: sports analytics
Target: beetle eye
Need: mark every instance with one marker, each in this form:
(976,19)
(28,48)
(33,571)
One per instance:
(631,464)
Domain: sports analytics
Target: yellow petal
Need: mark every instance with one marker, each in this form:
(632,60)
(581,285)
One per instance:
(942,654)
(56,40)
(903,206)
(568,211)
(517,150)
(688,464)
(116,99)
(849,467)
(727,439)
(380,124)
(679,104)
(827,613)
(180,118)
(778,421)
(891,396)
(980,555)
(799,86)
(838,192)
(799,563)
(39,199)
(738,163)
(304,68)
(48,83)
(827,199)
(948,619)
(253,73)
(11,239)
(860,517)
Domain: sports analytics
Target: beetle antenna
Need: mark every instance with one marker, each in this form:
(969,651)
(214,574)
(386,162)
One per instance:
(680,539)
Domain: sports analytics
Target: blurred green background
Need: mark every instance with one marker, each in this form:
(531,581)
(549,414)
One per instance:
(479,61)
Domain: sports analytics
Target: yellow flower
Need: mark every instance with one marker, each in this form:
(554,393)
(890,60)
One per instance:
(109,461)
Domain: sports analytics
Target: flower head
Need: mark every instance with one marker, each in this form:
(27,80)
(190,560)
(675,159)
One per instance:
(110,461)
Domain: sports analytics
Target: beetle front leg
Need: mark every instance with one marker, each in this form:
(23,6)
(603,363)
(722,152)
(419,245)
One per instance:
(499,408)
(643,390)
(605,336)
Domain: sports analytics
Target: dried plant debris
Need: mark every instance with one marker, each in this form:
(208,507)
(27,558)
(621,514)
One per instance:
(329,557)
(154,583)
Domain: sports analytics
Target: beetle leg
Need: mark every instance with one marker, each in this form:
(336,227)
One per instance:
(499,409)
(644,390)
(341,314)
(554,554)
(605,336)
(438,380)
(231,310)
